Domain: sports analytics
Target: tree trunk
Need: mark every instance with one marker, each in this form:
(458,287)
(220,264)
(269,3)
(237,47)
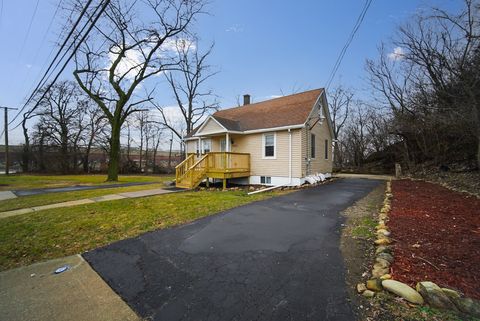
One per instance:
(114,153)
(26,150)
(478,152)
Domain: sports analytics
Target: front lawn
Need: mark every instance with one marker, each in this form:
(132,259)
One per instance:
(20,181)
(52,198)
(48,234)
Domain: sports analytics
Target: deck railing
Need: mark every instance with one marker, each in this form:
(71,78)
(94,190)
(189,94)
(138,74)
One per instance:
(193,169)
(228,162)
(181,169)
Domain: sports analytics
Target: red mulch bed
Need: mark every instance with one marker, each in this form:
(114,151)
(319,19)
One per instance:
(446,226)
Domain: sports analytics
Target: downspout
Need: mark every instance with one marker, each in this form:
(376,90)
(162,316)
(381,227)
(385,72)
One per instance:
(289,156)
(289,168)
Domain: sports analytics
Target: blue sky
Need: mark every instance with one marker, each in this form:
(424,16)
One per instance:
(261,47)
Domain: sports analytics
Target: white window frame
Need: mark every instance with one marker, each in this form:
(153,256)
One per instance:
(313,143)
(206,141)
(268,180)
(274,145)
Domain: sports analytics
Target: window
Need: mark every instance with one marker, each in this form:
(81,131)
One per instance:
(197,146)
(312,146)
(269,145)
(223,145)
(265,180)
(207,146)
(326,148)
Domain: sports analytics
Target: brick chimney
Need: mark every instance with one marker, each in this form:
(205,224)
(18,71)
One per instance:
(246,99)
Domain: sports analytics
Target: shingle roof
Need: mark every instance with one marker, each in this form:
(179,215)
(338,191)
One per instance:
(278,112)
(283,111)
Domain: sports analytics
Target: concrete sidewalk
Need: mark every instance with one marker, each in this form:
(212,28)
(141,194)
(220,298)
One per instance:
(104,198)
(35,293)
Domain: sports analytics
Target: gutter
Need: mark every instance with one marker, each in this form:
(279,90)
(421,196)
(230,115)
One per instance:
(289,156)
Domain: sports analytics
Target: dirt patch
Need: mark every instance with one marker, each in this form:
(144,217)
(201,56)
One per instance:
(437,236)
(357,244)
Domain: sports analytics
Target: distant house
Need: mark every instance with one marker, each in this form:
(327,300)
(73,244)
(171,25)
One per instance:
(275,142)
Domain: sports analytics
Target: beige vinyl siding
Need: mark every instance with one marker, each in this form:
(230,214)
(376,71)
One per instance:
(191,146)
(279,166)
(319,164)
(211,127)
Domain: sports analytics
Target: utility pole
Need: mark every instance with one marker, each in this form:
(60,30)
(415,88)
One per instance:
(5,130)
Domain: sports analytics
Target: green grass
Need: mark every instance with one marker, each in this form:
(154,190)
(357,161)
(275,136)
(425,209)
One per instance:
(48,234)
(20,181)
(364,228)
(52,198)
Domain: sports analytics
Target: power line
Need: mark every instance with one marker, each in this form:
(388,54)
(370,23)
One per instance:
(357,25)
(103,7)
(28,29)
(42,42)
(1,13)
(41,82)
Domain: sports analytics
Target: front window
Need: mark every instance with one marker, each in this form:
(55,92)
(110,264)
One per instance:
(207,146)
(269,145)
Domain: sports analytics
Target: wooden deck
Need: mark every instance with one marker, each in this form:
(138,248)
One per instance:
(223,165)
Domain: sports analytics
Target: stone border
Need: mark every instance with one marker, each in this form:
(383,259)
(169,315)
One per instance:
(425,292)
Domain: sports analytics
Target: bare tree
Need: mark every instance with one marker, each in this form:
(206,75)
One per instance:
(339,102)
(187,84)
(61,116)
(130,45)
(431,84)
(96,121)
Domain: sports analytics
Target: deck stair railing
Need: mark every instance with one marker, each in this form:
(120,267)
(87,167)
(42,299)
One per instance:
(191,172)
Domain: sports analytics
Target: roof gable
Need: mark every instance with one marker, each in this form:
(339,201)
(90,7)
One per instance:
(211,125)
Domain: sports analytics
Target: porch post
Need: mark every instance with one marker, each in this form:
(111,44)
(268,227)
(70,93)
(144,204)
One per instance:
(200,147)
(227,142)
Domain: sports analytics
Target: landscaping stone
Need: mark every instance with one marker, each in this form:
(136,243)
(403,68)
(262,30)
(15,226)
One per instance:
(383,263)
(385,256)
(434,295)
(381,226)
(383,241)
(452,294)
(361,287)
(382,249)
(378,271)
(382,232)
(468,305)
(374,285)
(385,277)
(403,290)
(368,294)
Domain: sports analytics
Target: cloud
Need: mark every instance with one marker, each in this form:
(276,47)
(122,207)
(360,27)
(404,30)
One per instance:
(173,44)
(235,29)
(274,96)
(397,54)
(129,65)
(132,63)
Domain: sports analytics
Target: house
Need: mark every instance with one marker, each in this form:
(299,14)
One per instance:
(275,142)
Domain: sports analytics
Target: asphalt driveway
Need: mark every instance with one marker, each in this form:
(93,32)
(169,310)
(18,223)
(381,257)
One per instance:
(277,259)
